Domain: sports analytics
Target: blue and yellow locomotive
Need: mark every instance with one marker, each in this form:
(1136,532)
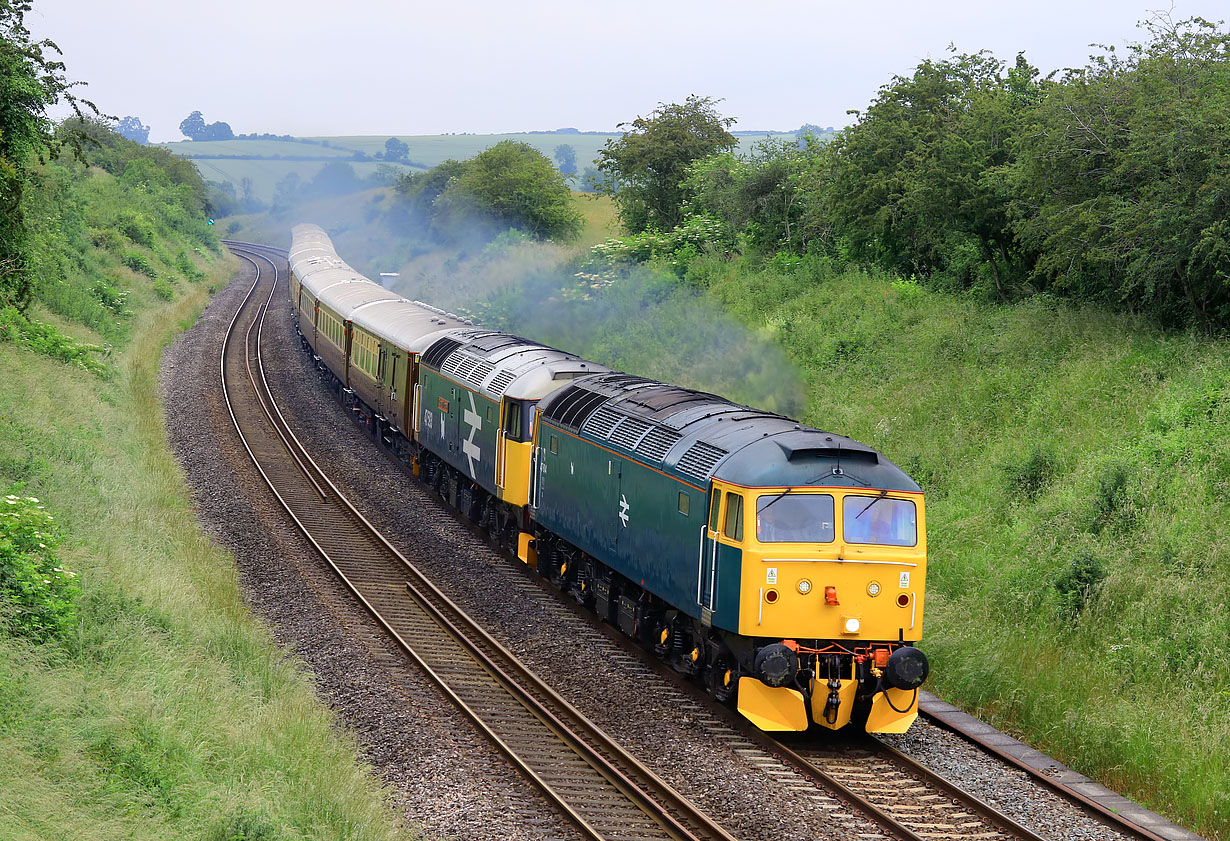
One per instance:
(781,565)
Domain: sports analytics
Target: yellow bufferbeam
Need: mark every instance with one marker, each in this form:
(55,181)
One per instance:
(820,699)
(771,708)
(885,719)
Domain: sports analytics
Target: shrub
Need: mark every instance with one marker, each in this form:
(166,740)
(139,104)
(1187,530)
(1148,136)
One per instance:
(48,341)
(39,594)
(107,238)
(1028,477)
(164,290)
(139,264)
(1078,583)
(110,296)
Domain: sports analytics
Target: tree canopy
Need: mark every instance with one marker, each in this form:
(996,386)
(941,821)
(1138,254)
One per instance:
(31,80)
(510,185)
(645,168)
(194,127)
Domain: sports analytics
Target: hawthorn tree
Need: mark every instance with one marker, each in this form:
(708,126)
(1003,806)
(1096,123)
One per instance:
(645,168)
(31,80)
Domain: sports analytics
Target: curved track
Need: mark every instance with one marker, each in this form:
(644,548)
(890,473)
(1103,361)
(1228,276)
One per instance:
(603,790)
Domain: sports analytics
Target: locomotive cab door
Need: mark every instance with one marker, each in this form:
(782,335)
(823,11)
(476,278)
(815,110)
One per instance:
(706,564)
(720,549)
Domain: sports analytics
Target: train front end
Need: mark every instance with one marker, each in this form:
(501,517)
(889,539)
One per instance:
(832,585)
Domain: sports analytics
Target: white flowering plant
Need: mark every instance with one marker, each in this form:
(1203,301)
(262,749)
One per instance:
(39,594)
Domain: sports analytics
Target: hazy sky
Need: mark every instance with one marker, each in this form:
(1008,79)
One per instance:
(323,67)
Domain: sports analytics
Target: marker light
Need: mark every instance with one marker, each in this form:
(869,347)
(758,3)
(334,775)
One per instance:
(873,589)
(804,586)
(852,625)
(830,595)
(904,600)
(770,596)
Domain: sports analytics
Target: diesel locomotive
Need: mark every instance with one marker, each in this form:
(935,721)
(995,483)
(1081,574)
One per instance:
(782,566)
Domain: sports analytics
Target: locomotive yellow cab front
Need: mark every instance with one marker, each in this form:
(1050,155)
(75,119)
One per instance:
(838,576)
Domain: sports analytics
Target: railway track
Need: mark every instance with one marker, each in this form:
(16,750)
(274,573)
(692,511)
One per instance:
(603,790)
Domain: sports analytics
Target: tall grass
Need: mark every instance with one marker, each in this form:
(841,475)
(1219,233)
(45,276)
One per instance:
(168,712)
(1077,469)
(165,710)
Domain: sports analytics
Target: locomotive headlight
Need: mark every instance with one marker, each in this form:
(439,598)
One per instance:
(804,586)
(873,589)
(852,625)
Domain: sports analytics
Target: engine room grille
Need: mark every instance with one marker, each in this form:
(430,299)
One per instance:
(700,460)
(501,381)
(602,422)
(629,432)
(657,443)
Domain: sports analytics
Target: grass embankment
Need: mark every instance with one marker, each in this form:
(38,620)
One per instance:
(1076,466)
(162,709)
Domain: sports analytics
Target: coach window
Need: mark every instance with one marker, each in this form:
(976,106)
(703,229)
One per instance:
(734,517)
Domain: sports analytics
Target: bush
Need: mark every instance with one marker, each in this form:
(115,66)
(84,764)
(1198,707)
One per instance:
(38,593)
(48,341)
(1079,583)
(140,264)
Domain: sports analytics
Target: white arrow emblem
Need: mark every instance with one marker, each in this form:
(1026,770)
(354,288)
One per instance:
(472,419)
(623,509)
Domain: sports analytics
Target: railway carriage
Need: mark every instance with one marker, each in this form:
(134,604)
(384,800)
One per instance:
(783,565)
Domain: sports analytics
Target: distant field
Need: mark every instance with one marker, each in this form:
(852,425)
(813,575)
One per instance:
(260,148)
(265,174)
(425,150)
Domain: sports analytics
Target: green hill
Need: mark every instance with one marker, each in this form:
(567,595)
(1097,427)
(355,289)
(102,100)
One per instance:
(266,162)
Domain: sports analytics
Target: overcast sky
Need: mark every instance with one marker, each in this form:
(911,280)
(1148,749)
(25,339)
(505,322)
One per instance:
(324,67)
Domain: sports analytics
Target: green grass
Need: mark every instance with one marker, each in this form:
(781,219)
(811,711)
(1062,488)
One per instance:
(159,708)
(1077,470)
(168,712)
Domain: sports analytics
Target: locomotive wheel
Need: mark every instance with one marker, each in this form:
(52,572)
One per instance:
(722,679)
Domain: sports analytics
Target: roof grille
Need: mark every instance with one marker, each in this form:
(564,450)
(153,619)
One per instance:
(452,365)
(466,365)
(480,372)
(629,432)
(700,459)
(657,443)
(439,351)
(501,381)
(574,406)
(602,422)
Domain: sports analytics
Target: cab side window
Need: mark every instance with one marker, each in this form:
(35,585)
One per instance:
(715,508)
(512,420)
(734,517)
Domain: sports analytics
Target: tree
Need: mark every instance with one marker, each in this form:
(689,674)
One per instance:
(566,157)
(645,167)
(31,80)
(1122,186)
(396,150)
(192,126)
(916,184)
(511,185)
(134,130)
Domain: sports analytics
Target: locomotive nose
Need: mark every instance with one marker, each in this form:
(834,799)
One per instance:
(907,668)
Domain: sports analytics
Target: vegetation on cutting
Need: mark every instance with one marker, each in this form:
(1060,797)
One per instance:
(138,697)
